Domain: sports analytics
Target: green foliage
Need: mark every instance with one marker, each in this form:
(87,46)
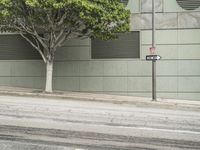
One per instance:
(46,24)
(93,18)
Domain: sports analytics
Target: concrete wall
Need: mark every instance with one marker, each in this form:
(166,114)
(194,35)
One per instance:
(178,42)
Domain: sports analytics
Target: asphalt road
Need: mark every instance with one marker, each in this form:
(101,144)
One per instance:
(49,124)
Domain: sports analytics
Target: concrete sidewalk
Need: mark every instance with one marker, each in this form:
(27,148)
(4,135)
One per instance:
(80,96)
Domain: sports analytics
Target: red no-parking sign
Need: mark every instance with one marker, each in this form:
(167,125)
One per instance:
(152,50)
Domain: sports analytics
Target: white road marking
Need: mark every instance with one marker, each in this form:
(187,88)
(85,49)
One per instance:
(163,130)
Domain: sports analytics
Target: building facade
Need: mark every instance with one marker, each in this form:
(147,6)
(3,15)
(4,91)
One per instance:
(79,66)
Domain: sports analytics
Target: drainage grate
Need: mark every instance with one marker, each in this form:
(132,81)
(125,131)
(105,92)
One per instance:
(189,4)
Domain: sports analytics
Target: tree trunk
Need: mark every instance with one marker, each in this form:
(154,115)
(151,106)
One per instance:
(49,77)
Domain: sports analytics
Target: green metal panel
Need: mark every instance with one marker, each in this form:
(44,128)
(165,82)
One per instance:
(167,95)
(91,68)
(5,68)
(28,82)
(159,94)
(66,69)
(189,67)
(193,96)
(91,84)
(115,93)
(115,68)
(5,81)
(66,83)
(139,68)
(167,68)
(189,84)
(139,94)
(139,84)
(14,47)
(167,84)
(27,68)
(189,51)
(115,84)
(166,51)
(189,36)
(173,77)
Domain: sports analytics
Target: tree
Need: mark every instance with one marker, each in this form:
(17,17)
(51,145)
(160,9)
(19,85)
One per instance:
(46,24)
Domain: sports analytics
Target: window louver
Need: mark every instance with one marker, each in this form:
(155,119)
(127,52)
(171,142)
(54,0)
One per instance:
(14,47)
(127,45)
(189,4)
(125,2)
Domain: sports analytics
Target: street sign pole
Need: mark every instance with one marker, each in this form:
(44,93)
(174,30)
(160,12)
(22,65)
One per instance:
(154,97)
(153,57)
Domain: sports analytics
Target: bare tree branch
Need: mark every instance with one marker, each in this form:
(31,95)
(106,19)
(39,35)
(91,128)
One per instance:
(62,19)
(39,38)
(61,34)
(32,32)
(37,48)
(62,39)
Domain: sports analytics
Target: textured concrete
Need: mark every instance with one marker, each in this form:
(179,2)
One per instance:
(189,20)
(181,20)
(146,5)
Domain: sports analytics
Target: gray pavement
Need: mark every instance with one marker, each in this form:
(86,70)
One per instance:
(30,123)
(137,101)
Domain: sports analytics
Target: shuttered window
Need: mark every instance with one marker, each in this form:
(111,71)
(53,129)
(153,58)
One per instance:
(126,46)
(14,47)
(189,4)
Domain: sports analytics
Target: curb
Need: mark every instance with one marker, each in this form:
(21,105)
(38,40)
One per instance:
(115,99)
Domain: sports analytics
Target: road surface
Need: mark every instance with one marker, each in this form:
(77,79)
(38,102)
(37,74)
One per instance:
(50,124)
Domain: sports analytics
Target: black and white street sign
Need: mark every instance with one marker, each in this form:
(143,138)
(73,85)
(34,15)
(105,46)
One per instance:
(153,57)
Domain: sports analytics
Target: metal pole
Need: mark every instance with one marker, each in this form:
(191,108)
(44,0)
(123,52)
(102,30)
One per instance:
(153,23)
(154,97)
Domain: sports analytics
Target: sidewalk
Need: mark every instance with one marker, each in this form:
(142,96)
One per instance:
(80,96)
